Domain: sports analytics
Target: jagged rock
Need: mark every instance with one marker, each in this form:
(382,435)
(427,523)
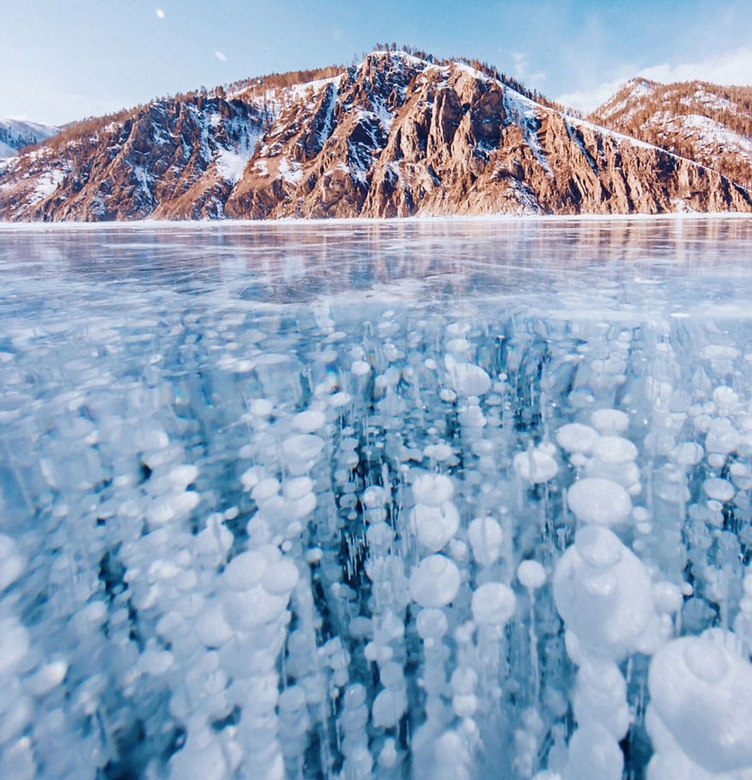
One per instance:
(394,136)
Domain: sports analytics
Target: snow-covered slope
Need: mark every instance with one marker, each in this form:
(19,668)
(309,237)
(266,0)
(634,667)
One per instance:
(705,122)
(17,133)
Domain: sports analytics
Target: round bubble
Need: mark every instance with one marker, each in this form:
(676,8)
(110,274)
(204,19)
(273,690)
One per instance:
(688,453)
(435,582)
(493,604)
(435,526)
(718,489)
(614,449)
(469,379)
(531,575)
(431,624)
(701,689)
(610,422)
(599,501)
(309,421)
(576,437)
(432,489)
(536,465)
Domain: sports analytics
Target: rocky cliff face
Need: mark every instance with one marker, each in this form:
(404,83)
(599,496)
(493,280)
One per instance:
(394,136)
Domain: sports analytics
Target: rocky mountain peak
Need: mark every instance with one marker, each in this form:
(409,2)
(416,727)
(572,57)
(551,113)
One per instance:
(395,135)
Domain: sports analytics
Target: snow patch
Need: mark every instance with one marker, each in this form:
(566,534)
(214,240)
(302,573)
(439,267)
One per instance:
(47,183)
(290,171)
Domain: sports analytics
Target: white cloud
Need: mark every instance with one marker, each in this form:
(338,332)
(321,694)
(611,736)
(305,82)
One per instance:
(732,68)
(522,71)
(589,99)
(220,55)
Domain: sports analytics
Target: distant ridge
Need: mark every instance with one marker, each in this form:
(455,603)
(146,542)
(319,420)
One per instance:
(396,135)
(705,122)
(16,134)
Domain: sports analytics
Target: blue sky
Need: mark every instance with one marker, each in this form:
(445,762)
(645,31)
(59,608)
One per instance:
(62,60)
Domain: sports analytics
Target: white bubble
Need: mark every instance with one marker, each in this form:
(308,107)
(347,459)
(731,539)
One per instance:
(245,570)
(433,489)
(576,437)
(493,604)
(688,453)
(702,692)
(594,753)
(610,422)
(309,421)
(614,449)
(12,564)
(718,489)
(469,379)
(280,578)
(302,447)
(431,624)
(531,574)
(535,465)
(435,581)
(485,538)
(599,501)
(388,707)
(435,526)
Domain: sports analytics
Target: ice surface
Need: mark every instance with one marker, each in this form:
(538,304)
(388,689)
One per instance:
(435,499)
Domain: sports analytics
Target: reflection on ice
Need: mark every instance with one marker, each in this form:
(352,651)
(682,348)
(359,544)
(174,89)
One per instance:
(257,523)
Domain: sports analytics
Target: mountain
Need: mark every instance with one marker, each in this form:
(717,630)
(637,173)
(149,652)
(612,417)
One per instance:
(396,135)
(704,122)
(17,133)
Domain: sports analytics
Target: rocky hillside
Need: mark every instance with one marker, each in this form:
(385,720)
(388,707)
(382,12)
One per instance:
(694,119)
(396,135)
(16,134)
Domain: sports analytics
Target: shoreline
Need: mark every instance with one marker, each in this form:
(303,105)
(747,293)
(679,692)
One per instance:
(151,224)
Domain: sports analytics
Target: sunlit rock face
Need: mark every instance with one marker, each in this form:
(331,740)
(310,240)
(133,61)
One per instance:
(411,532)
(394,135)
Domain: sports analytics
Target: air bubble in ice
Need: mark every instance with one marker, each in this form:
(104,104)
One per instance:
(435,581)
(610,422)
(536,465)
(309,421)
(468,379)
(485,537)
(576,437)
(433,489)
(701,692)
(531,574)
(614,449)
(599,501)
(718,489)
(435,526)
(493,604)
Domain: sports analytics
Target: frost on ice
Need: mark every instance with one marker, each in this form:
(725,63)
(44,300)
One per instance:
(388,538)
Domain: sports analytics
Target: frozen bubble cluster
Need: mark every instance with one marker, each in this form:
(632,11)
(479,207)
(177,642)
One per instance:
(251,534)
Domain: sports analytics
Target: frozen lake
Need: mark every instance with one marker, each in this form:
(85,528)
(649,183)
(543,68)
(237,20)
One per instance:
(431,499)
